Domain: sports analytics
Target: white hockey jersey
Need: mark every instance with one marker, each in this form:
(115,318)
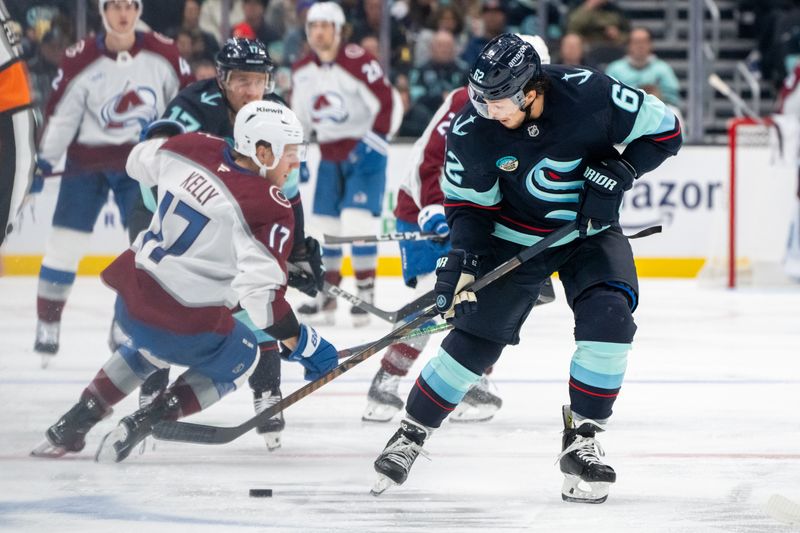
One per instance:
(102,100)
(221,237)
(344,101)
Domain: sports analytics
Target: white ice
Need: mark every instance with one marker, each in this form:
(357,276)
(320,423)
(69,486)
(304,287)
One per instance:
(705,430)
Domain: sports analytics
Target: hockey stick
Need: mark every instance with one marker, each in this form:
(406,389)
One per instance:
(385,237)
(420,332)
(389,316)
(726,91)
(204,434)
(783,509)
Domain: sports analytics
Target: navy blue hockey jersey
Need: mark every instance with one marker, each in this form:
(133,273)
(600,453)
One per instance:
(520,184)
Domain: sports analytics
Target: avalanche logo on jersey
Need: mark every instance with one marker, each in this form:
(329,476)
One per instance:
(328,106)
(277,195)
(135,105)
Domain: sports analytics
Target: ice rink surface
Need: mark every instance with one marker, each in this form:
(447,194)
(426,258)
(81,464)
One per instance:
(705,430)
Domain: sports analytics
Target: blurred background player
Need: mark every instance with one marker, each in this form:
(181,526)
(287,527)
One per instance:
(17,126)
(245,73)
(109,87)
(789,107)
(341,94)
(214,244)
(419,208)
(551,132)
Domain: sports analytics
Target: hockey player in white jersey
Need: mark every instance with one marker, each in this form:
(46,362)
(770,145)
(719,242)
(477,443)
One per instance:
(790,105)
(221,237)
(339,92)
(108,88)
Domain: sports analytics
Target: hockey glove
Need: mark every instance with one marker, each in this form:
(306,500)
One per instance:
(431,219)
(43,168)
(453,272)
(305,174)
(317,355)
(162,127)
(308,256)
(601,197)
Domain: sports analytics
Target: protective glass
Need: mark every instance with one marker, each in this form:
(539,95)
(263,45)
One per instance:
(241,82)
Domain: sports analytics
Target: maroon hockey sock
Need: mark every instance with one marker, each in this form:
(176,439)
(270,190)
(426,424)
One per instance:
(103,390)
(399,358)
(49,310)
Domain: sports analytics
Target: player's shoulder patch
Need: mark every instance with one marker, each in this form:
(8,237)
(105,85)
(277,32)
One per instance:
(354,51)
(277,194)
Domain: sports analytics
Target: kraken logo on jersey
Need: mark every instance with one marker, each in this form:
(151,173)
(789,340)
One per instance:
(134,105)
(329,106)
(553,190)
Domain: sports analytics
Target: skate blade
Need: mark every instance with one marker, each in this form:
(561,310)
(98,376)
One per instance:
(575,490)
(466,413)
(107,451)
(48,450)
(272,440)
(46,359)
(379,412)
(381,484)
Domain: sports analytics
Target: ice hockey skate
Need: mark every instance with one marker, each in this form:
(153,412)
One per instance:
(396,459)
(46,343)
(321,311)
(133,429)
(68,435)
(478,405)
(383,402)
(586,478)
(366,291)
(272,428)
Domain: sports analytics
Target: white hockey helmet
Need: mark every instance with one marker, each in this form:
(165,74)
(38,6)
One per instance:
(102,7)
(326,12)
(269,122)
(539,45)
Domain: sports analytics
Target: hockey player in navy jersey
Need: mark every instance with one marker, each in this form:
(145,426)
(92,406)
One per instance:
(212,245)
(245,73)
(340,92)
(534,150)
(109,87)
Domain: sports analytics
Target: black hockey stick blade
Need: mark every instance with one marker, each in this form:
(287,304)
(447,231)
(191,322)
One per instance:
(204,434)
(393,236)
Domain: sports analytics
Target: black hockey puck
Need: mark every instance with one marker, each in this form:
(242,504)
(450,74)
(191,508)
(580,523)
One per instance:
(261,493)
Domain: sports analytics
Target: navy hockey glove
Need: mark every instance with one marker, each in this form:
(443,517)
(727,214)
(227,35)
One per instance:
(457,269)
(43,168)
(162,127)
(431,219)
(601,197)
(308,256)
(317,355)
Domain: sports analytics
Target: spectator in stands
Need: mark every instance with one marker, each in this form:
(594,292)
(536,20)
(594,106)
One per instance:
(431,83)
(211,16)
(599,22)
(206,45)
(571,50)
(371,44)
(447,19)
(493,16)
(163,16)
(295,44)
(254,26)
(641,68)
(370,23)
(204,69)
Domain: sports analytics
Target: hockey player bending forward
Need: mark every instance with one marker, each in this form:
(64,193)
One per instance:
(222,236)
(536,151)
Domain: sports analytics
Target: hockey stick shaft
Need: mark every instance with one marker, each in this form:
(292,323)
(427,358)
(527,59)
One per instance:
(385,237)
(717,83)
(420,332)
(204,434)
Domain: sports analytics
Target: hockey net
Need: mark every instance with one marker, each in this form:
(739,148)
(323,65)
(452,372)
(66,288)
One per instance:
(749,234)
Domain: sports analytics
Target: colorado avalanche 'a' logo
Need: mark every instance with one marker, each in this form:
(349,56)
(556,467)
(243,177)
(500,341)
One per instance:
(329,106)
(279,197)
(135,105)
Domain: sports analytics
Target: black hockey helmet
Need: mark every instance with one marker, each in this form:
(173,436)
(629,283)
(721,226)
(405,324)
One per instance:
(502,69)
(248,55)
